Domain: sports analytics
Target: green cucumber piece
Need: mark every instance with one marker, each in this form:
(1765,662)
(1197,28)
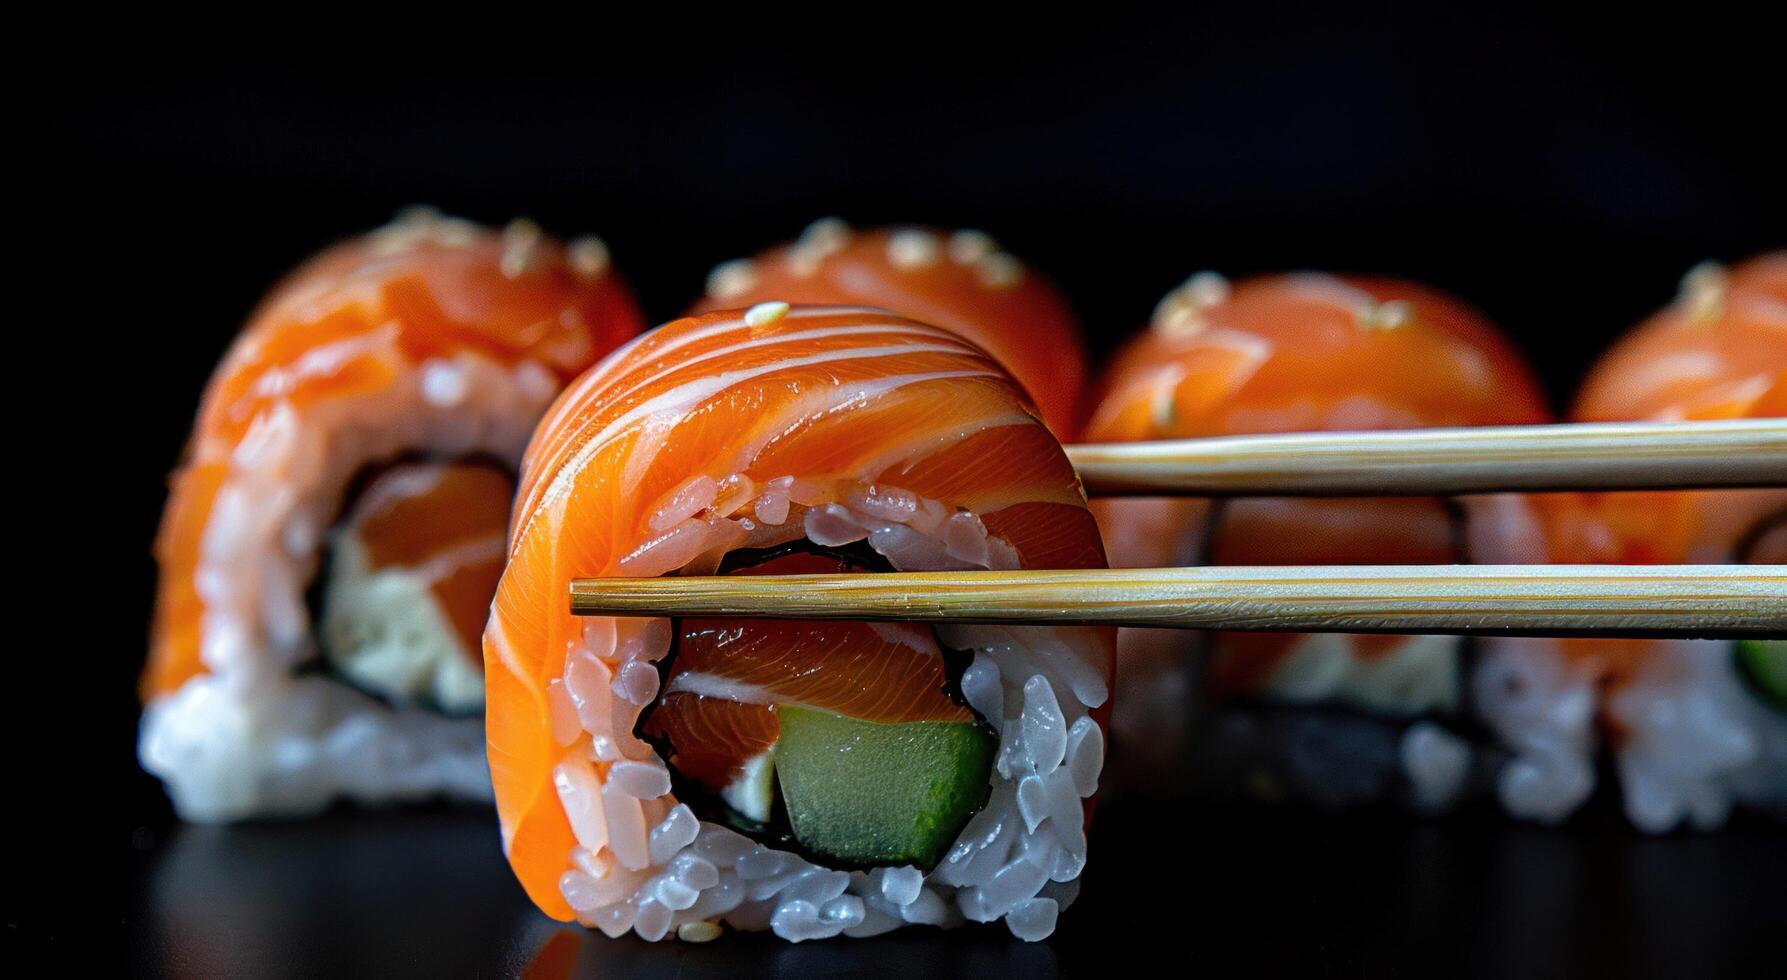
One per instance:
(1763,663)
(867,793)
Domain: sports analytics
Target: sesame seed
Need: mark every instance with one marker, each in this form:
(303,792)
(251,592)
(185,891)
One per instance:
(1180,320)
(732,279)
(588,256)
(764,313)
(969,246)
(698,932)
(825,236)
(1386,316)
(416,225)
(521,247)
(1181,312)
(393,241)
(999,271)
(1703,290)
(910,248)
(1206,288)
(819,240)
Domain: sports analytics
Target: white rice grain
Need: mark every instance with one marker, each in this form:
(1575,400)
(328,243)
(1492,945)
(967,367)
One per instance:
(833,525)
(1032,920)
(580,794)
(901,885)
(636,683)
(626,828)
(677,831)
(640,780)
(694,496)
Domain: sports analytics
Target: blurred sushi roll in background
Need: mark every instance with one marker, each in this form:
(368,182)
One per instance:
(812,779)
(1333,719)
(959,280)
(335,531)
(1694,726)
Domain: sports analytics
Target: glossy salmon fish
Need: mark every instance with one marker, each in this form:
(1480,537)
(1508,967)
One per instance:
(958,280)
(1310,352)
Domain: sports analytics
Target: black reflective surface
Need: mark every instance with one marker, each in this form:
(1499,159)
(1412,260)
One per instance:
(425,892)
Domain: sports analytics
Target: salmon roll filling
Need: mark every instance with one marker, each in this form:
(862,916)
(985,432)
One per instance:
(1334,718)
(411,571)
(851,712)
(808,778)
(334,535)
(1695,727)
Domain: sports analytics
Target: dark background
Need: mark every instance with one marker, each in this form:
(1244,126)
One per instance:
(1558,168)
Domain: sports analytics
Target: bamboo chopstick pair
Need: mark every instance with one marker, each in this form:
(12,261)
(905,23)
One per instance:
(1658,600)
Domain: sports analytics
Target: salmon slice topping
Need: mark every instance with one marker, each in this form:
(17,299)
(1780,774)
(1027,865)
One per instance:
(727,677)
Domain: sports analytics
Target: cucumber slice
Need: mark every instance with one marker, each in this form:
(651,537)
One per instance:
(867,793)
(1763,663)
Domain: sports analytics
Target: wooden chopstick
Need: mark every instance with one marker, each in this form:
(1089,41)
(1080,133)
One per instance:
(1413,462)
(1550,600)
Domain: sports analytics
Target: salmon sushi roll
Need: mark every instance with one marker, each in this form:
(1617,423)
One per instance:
(961,280)
(336,529)
(1694,726)
(1299,353)
(673,776)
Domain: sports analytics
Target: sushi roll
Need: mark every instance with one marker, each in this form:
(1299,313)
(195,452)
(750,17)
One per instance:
(962,281)
(1694,726)
(1333,718)
(671,777)
(334,534)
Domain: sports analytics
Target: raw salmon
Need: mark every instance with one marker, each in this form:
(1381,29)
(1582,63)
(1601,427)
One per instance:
(959,280)
(1307,352)
(1718,352)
